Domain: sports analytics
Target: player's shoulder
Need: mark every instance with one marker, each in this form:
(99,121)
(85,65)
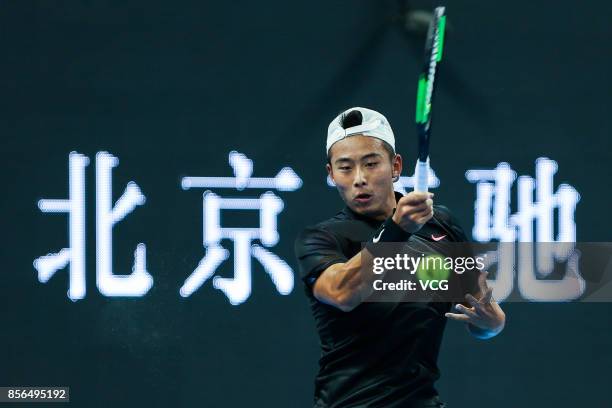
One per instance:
(446,217)
(329,224)
(443,213)
(320,230)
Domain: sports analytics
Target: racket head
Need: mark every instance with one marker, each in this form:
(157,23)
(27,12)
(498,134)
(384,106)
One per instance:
(434,46)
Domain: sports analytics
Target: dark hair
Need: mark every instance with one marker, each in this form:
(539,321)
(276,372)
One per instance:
(355,118)
(351,119)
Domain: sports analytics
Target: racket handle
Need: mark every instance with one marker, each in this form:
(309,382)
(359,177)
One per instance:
(421,176)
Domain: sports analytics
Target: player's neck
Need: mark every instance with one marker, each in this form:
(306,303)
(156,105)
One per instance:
(388,207)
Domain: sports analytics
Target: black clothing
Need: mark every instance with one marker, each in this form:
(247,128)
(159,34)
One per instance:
(378,354)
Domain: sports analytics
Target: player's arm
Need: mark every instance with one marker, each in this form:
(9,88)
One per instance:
(346,285)
(482,315)
(343,285)
(484,318)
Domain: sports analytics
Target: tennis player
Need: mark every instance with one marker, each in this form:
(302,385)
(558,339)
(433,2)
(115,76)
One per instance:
(378,354)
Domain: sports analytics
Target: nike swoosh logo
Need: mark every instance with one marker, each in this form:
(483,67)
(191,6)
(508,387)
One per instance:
(376,239)
(440,238)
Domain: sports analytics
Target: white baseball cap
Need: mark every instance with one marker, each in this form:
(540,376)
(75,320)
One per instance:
(374,124)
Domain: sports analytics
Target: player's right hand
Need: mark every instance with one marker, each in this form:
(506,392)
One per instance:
(413,211)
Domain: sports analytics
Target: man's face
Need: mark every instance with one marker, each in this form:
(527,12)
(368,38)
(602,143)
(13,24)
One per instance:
(363,172)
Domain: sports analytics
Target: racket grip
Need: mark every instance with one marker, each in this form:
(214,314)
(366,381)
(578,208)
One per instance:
(421,176)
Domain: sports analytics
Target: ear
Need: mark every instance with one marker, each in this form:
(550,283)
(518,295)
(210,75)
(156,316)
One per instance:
(397,166)
(330,171)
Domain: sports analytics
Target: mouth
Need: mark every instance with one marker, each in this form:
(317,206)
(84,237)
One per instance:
(363,198)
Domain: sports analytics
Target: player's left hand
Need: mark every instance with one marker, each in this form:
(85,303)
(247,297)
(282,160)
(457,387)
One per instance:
(485,318)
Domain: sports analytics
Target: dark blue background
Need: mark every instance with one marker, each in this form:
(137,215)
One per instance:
(171,88)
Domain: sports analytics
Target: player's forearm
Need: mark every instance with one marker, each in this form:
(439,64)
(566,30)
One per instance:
(346,285)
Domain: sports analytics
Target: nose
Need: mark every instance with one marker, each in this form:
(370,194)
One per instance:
(359,179)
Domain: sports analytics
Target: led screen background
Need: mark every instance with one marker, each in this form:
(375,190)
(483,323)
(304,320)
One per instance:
(172,90)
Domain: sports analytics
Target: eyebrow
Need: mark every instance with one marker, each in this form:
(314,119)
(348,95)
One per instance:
(365,157)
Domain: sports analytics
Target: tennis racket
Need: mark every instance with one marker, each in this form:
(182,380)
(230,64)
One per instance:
(425,90)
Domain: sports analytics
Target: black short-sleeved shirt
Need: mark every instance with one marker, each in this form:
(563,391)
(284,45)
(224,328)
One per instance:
(378,354)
